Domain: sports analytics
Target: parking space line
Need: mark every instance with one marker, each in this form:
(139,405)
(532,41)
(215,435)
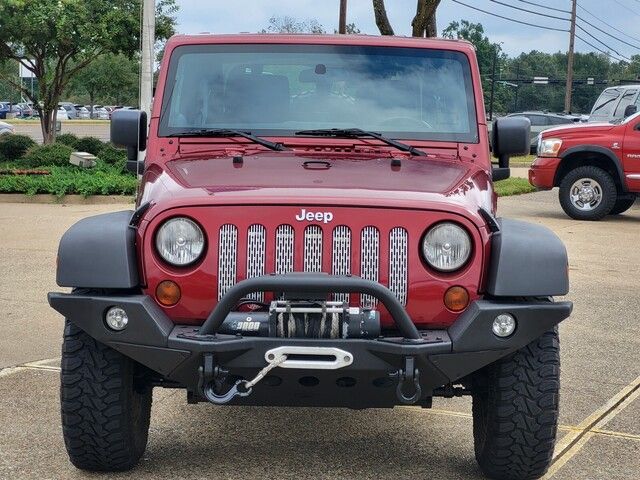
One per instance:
(573,442)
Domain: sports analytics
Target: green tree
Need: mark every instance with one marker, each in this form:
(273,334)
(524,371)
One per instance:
(56,39)
(487,53)
(422,25)
(109,79)
(287,24)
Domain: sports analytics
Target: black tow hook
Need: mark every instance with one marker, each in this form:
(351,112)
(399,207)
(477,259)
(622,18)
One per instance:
(408,377)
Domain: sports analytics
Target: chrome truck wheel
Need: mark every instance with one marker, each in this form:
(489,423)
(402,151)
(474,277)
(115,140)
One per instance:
(588,193)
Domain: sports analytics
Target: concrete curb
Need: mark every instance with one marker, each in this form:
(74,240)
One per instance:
(67,199)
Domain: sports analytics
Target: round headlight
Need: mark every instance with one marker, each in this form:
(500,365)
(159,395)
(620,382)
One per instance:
(446,247)
(180,241)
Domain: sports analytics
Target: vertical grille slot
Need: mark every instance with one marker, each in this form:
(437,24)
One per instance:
(313,249)
(256,250)
(369,261)
(398,251)
(227,258)
(341,257)
(285,244)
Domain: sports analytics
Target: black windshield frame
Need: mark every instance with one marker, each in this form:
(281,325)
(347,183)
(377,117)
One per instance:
(472,136)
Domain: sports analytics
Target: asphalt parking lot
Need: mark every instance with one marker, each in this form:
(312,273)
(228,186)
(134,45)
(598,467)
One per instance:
(600,405)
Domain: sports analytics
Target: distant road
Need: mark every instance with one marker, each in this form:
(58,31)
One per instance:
(81,128)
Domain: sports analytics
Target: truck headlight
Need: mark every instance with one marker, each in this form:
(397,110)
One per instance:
(549,147)
(180,241)
(446,247)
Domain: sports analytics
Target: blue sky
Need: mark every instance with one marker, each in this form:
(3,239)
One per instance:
(224,16)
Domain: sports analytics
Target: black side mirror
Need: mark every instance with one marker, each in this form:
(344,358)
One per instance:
(509,136)
(630,110)
(129,129)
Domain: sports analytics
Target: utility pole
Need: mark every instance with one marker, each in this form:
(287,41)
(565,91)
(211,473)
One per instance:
(342,24)
(572,43)
(148,29)
(493,81)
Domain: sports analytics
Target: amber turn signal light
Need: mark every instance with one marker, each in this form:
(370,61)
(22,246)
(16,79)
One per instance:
(456,299)
(168,293)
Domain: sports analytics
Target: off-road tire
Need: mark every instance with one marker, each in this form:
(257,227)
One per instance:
(105,405)
(515,411)
(622,205)
(609,193)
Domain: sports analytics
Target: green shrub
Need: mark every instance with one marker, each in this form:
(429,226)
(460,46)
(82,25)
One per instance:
(66,181)
(13,147)
(48,155)
(68,139)
(111,155)
(90,145)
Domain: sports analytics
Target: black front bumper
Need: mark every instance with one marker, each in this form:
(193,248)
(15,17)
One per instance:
(176,352)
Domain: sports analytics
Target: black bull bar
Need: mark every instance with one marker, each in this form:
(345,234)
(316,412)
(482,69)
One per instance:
(180,353)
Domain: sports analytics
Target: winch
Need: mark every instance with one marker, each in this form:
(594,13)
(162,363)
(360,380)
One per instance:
(305,319)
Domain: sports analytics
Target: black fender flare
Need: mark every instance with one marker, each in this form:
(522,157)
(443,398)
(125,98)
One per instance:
(527,260)
(99,252)
(594,149)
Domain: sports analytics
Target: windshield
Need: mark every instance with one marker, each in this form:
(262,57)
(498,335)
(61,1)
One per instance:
(281,89)
(606,103)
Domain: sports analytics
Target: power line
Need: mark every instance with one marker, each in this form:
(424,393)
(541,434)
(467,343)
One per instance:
(599,50)
(625,7)
(546,6)
(602,43)
(608,34)
(607,24)
(530,11)
(510,19)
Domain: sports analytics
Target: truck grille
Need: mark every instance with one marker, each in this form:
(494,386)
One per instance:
(340,245)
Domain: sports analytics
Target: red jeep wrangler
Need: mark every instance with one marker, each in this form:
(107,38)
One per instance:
(315,227)
(596,166)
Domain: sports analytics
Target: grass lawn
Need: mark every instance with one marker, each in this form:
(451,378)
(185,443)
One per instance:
(522,161)
(513,186)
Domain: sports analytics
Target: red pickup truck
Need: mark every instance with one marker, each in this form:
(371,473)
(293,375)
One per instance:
(596,166)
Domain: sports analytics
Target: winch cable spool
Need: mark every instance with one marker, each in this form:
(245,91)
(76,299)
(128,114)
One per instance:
(305,319)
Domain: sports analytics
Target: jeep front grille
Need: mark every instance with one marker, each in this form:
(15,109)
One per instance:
(341,256)
(285,244)
(369,261)
(268,252)
(398,246)
(227,258)
(256,251)
(313,249)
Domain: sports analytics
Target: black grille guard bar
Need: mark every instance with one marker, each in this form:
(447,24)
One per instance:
(310,283)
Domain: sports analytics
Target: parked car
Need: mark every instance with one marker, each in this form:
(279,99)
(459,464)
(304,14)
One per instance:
(8,109)
(541,121)
(285,272)
(616,103)
(62,113)
(6,129)
(99,112)
(26,110)
(595,165)
(82,112)
(70,109)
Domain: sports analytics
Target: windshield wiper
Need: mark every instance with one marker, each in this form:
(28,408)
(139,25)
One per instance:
(229,132)
(359,133)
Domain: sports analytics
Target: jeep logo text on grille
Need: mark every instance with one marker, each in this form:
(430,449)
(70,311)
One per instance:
(324,217)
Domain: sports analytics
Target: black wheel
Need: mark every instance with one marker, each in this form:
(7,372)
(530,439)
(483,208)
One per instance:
(106,405)
(515,411)
(588,193)
(622,205)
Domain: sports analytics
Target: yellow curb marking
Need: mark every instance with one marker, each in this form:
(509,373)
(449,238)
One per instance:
(573,442)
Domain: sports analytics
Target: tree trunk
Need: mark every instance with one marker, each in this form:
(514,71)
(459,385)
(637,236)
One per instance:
(48,118)
(382,21)
(424,23)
